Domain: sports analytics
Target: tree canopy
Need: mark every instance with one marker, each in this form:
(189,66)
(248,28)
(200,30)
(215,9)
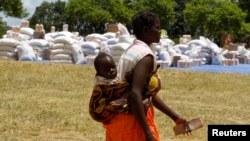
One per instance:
(13,8)
(212,18)
(245,6)
(49,14)
(87,16)
(3,27)
(227,17)
(92,15)
(179,27)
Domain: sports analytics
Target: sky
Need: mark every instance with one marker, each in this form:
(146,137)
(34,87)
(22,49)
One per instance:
(30,5)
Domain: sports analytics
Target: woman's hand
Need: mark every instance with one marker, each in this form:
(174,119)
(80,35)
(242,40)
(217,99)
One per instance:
(183,121)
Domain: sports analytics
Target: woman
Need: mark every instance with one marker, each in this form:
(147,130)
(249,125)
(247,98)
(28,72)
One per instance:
(140,61)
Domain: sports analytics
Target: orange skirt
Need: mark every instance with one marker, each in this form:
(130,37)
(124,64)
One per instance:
(124,127)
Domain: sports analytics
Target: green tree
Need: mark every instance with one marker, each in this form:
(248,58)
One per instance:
(196,13)
(211,18)
(118,10)
(13,8)
(3,27)
(87,16)
(164,9)
(245,6)
(49,14)
(92,15)
(179,27)
(227,17)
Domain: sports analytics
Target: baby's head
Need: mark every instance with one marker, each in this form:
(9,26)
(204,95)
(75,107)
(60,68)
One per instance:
(105,66)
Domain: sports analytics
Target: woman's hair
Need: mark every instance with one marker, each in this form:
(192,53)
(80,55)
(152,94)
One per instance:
(143,19)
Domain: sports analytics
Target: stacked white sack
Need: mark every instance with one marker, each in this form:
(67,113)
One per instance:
(199,50)
(14,33)
(162,55)
(217,53)
(181,48)
(61,49)
(104,47)
(165,51)
(90,48)
(123,29)
(111,38)
(51,36)
(95,37)
(116,50)
(109,35)
(78,55)
(242,51)
(26,33)
(39,46)
(26,52)
(8,49)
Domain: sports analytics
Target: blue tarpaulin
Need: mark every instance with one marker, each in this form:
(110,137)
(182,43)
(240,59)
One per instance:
(238,69)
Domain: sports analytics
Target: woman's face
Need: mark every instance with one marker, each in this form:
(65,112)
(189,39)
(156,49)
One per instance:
(108,70)
(155,32)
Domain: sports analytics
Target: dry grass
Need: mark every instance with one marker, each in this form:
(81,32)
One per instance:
(49,102)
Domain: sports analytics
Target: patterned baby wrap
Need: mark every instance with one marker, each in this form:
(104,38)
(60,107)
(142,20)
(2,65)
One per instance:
(109,100)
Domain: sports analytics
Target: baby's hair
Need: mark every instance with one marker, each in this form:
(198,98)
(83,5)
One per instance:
(98,58)
(143,19)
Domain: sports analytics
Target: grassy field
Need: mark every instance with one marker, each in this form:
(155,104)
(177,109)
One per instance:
(49,102)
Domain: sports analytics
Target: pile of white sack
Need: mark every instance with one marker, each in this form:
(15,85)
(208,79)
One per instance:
(8,49)
(20,44)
